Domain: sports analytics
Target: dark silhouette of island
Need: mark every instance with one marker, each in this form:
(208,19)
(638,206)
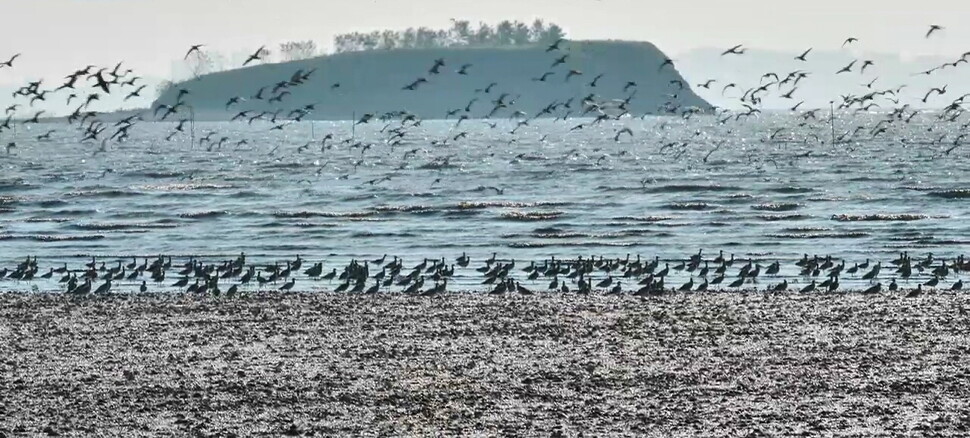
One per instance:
(344,85)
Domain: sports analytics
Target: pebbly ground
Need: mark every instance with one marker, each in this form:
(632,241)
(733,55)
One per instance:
(728,364)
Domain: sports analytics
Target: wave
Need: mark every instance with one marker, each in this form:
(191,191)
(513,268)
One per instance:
(879,217)
(790,190)
(12,185)
(922,189)
(51,203)
(643,218)
(115,226)
(781,206)
(284,166)
(108,193)
(354,198)
(181,187)
(578,235)
(846,235)
(697,206)
(872,179)
(570,244)
(507,204)
(365,234)
(805,229)
(951,194)
(246,194)
(688,188)
(405,208)
(330,214)
(532,215)
(313,225)
(71,213)
(208,214)
(50,238)
(275,224)
(155,174)
(783,217)
(46,220)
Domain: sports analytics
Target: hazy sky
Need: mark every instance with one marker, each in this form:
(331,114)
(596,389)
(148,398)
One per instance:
(57,36)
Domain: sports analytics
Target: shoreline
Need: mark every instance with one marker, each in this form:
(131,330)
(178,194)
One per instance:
(538,293)
(325,364)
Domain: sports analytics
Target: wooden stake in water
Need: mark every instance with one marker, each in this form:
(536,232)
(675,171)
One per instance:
(832,119)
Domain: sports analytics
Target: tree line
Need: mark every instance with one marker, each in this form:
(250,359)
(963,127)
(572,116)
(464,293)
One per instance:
(461,34)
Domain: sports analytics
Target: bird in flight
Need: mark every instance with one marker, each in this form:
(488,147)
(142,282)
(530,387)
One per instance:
(135,93)
(850,40)
(555,45)
(933,28)
(9,63)
(255,56)
(803,55)
(736,50)
(435,69)
(707,84)
(847,68)
(194,49)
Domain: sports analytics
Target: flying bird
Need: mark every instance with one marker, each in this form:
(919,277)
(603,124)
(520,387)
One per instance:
(736,50)
(255,56)
(194,49)
(555,45)
(135,93)
(9,63)
(667,61)
(850,40)
(847,68)
(933,28)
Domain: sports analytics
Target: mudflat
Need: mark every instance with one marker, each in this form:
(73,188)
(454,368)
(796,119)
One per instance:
(711,364)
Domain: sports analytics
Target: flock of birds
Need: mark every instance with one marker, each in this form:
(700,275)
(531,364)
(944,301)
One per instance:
(91,84)
(591,108)
(581,275)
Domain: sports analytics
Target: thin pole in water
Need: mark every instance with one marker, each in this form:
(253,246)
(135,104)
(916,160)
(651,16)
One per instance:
(192,125)
(832,119)
(353,125)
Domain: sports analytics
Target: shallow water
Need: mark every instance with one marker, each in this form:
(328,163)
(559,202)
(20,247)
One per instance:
(572,193)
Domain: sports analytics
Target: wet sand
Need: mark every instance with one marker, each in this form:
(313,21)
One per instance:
(470,365)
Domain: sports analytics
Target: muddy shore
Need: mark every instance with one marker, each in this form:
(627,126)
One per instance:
(729,364)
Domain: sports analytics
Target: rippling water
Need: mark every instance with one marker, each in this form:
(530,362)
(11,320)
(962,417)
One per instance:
(564,193)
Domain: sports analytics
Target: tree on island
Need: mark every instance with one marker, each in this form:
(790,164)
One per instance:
(461,34)
(298,50)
